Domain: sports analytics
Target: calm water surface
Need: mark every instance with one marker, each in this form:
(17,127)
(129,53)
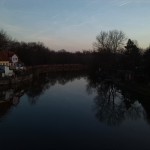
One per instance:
(72,112)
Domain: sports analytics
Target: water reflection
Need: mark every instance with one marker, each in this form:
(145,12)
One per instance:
(9,97)
(113,104)
(43,82)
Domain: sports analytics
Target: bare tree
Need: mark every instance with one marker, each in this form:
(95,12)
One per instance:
(110,41)
(4,40)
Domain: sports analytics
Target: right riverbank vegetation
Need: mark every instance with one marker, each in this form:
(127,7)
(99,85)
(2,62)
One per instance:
(112,53)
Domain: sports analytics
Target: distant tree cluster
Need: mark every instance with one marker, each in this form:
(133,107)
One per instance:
(111,51)
(115,52)
(35,53)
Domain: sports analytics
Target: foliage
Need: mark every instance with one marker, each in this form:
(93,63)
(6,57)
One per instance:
(133,55)
(110,53)
(4,40)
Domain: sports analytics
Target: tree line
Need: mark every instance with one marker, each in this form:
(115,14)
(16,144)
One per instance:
(111,50)
(119,53)
(36,53)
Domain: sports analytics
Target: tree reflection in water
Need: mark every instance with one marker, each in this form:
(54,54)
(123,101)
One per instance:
(114,105)
(45,81)
(10,96)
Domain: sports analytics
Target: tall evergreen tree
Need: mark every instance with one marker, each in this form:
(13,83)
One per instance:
(132,49)
(133,59)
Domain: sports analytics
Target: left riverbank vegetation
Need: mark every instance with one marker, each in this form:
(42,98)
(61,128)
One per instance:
(112,52)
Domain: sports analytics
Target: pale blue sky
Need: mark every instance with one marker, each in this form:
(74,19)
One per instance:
(74,24)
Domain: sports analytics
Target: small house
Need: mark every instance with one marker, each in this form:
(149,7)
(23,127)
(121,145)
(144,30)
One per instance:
(8,58)
(8,63)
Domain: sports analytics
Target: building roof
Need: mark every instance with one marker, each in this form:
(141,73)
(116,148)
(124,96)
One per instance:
(5,55)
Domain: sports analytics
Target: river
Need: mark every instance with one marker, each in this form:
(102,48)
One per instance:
(72,111)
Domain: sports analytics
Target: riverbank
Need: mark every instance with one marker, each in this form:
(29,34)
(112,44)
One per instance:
(15,80)
(56,68)
(26,75)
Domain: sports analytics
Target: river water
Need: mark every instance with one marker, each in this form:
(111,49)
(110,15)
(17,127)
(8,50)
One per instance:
(72,111)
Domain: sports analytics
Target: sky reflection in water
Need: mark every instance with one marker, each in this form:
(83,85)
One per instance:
(72,111)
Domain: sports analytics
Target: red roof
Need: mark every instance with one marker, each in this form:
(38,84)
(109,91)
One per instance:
(5,55)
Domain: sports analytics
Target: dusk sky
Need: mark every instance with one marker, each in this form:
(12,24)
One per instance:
(74,24)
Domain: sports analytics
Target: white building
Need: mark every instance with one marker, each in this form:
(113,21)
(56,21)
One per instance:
(6,71)
(8,63)
(14,59)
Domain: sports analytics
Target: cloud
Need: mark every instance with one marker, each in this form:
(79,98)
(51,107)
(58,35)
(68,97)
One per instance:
(124,3)
(121,3)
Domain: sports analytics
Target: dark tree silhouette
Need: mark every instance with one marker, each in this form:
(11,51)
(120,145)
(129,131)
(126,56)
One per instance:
(133,55)
(132,49)
(146,61)
(113,104)
(4,40)
(110,41)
